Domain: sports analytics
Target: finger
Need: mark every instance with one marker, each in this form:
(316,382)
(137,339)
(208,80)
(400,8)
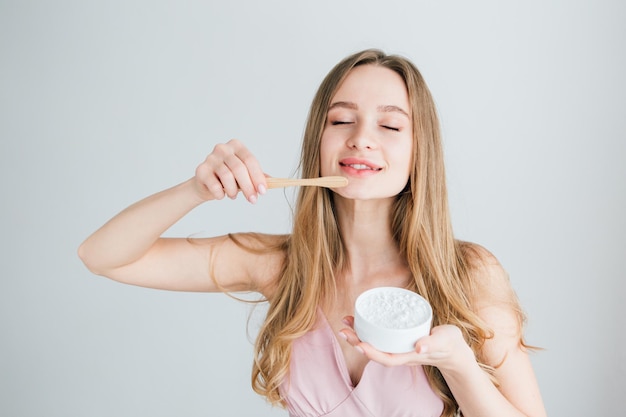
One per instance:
(441,339)
(424,346)
(241,177)
(349,321)
(215,175)
(350,335)
(211,187)
(390,359)
(229,171)
(217,162)
(368,350)
(384,358)
(247,169)
(227,180)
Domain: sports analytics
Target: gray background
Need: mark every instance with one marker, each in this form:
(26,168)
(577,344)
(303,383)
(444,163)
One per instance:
(102,103)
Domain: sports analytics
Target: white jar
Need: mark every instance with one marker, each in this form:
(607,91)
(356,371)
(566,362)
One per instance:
(392,319)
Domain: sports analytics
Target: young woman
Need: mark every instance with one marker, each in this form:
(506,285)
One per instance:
(374,122)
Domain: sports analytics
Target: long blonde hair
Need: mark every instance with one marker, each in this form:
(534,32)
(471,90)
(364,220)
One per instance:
(420,223)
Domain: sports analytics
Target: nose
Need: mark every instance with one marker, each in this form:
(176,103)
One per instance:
(361,138)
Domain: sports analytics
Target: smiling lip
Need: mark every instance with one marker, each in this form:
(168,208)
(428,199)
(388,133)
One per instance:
(356,166)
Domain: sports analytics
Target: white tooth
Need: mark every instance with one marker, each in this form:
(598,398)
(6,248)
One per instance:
(359,166)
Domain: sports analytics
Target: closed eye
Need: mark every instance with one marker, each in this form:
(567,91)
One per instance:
(395,129)
(339,122)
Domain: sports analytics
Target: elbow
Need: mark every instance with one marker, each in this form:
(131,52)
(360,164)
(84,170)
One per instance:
(87,257)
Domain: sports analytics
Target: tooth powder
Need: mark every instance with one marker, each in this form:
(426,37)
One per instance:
(394,309)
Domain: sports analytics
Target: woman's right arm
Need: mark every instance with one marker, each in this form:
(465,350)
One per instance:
(129,247)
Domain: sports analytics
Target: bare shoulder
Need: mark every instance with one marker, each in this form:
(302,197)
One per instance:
(478,258)
(494,300)
(489,281)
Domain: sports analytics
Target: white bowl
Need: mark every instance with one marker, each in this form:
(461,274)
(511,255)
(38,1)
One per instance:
(392,319)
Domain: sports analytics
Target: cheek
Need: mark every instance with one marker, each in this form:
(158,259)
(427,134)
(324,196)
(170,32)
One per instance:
(408,154)
(404,154)
(325,156)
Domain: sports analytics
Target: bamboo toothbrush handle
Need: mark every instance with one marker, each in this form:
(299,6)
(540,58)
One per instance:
(328,182)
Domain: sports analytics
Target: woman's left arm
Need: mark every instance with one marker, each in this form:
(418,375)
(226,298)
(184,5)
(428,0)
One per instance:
(517,393)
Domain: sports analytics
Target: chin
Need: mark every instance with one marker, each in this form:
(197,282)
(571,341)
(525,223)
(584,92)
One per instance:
(362,194)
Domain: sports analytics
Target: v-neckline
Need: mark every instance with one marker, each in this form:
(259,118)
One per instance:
(339,356)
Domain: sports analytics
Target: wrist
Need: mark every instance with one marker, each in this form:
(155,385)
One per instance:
(463,365)
(193,193)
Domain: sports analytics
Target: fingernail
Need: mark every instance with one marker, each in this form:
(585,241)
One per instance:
(252,198)
(343,336)
(262,189)
(360,350)
(345,321)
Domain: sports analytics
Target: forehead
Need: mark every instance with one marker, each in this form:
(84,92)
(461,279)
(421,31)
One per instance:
(373,85)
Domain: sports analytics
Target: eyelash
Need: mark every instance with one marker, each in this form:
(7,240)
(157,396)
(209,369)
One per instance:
(339,122)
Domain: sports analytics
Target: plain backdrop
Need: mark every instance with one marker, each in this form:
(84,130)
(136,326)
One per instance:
(105,102)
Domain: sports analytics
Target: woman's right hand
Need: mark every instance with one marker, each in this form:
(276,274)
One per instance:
(128,247)
(228,169)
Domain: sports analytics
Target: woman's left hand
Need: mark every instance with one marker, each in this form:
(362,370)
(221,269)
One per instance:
(444,348)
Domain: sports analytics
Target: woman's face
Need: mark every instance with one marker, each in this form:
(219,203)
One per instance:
(368,137)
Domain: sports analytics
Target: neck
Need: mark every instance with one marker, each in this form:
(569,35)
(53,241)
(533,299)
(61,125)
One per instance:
(366,233)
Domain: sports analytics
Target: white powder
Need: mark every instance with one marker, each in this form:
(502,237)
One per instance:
(394,309)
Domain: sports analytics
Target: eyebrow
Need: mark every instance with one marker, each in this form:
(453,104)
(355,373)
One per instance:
(353,106)
(391,108)
(343,104)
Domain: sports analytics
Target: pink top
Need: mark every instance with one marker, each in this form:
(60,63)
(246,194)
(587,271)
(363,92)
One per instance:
(318,383)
